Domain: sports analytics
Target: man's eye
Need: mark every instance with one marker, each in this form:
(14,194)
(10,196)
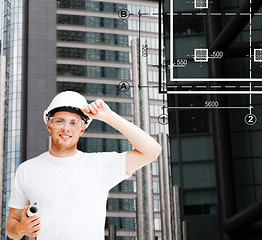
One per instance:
(59,121)
(73,123)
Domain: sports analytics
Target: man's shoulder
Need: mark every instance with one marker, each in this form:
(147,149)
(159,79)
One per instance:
(33,160)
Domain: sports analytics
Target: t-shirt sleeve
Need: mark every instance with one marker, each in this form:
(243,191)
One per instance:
(116,169)
(18,198)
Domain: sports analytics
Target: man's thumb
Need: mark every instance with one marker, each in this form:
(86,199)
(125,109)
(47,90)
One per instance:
(24,212)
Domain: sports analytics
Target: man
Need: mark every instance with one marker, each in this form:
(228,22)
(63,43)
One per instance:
(69,186)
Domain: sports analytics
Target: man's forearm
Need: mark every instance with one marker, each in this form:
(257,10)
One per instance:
(12,229)
(140,140)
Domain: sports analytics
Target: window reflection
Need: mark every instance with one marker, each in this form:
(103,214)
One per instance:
(119,204)
(12,19)
(200,202)
(93,54)
(98,38)
(103,145)
(104,6)
(121,223)
(156,205)
(188,24)
(125,186)
(93,89)
(92,37)
(155,187)
(93,72)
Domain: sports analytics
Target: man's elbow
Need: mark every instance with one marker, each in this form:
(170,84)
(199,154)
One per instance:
(156,151)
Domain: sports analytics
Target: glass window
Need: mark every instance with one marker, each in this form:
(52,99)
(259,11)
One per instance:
(188,24)
(194,121)
(119,6)
(118,204)
(91,37)
(155,168)
(125,186)
(122,56)
(257,168)
(197,148)
(198,175)
(156,128)
(155,111)
(103,144)
(143,26)
(121,223)
(109,39)
(200,202)
(93,72)
(155,187)
(108,7)
(157,224)
(108,22)
(156,205)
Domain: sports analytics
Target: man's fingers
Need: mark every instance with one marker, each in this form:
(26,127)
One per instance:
(85,109)
(29,226)
(35,227)
(24,212)
(34,218)
(93,107)
(34,234)
(33,221)
(99,103)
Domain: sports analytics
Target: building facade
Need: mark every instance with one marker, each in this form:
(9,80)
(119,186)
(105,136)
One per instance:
(2,120)
(52,46)
(215,154)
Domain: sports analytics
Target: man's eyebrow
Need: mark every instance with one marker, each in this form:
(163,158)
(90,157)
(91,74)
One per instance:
(70,119)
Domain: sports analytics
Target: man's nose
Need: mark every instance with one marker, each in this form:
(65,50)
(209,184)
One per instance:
(65,125)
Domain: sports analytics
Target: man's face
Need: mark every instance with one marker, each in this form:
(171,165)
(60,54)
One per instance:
(64,138)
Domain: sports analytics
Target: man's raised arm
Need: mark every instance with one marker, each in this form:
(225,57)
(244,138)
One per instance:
(146,149)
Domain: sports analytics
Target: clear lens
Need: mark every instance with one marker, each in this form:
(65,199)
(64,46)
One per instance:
(57,122)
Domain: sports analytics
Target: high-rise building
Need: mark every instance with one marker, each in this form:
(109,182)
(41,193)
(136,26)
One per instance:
(214,153)
(85,46)
(2,120)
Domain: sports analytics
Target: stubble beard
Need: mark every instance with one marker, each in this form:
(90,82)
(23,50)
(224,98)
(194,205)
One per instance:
(60,147)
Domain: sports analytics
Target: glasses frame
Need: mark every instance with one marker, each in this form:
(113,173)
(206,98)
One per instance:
(77,127)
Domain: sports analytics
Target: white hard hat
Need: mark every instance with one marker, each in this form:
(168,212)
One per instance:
(67,101)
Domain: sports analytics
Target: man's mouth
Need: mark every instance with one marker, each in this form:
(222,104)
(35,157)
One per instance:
(65,136)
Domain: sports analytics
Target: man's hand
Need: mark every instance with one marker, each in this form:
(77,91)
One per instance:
(19,224)
(97,110)
(29,226)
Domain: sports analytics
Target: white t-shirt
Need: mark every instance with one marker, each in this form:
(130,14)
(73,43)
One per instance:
(71,192)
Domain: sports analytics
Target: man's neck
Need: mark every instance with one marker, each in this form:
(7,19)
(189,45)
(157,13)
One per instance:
(62,153)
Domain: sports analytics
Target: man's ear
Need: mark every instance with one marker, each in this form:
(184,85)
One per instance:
(48,127)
